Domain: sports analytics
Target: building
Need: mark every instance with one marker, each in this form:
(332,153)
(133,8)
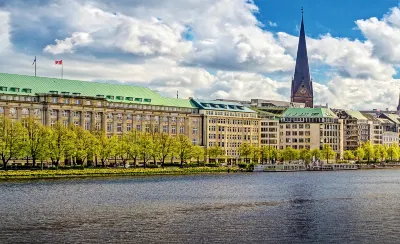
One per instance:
(228,125)
(269,133)
(116,109)
(311,128)
(302,88)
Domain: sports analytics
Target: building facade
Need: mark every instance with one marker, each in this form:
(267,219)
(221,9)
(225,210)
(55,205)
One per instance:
(228,125)
(116,109)
(311,128)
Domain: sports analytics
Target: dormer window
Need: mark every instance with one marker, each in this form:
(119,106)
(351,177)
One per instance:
(76,94)
(129,98)
(14,89)
(3,88)
(148,100)
(100,96)
(138,99)
(120,98)
(53,92)
(110,97)
(64,93)
(26,90)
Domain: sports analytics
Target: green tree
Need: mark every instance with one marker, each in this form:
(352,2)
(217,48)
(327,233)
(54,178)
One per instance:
(11,140)
(290,154)
(105,147)
(183,148)
(166,145)
(245,151)
(380,152)
(145,142)
(368,150)
(215,152)
(122,149)
(305,155)
(198,154)
(348,155)
(59,141)
(360,154)
(133,145)
(393,151)
(37,136)
(315,153)
(327,153)
(255,153)
(83,144)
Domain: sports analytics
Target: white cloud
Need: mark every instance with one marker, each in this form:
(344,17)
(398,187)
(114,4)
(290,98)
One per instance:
(69,44)
(4,31)
(272,24)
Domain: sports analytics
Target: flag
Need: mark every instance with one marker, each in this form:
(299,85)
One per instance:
(34,61)
(59,62)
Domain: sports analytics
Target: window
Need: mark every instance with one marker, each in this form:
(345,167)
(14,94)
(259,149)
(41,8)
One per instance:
(78,102)
(76,123)
(76,94)
(53,92)
(51,112)
(138,127)
(98,126)
(26,90)
(165,128)
(138,99)
(128,127)
(109,127)
(87,115)
(194,141)
(173,130)
(87,125)
(64,113)
(66,100)
(110,97)
(129,116)
(76,114)
(165,119)
(129,98)
(109,116)
(138,117)
(182,130)
(119,116)
(65,123)
(181,120)
(54,99)
(52,123)
(173,119)
(147,100)
(25,111)
(14,89)
(194,130)
(120,98)
(119,127)
(3,88)
(195,121)
(147,128)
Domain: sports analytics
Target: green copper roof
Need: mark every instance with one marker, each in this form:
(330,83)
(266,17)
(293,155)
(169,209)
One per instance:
(356,114)
(309,113)
(221,106)
(112,92)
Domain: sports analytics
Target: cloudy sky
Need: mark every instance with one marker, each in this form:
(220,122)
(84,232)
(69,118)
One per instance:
(236,49)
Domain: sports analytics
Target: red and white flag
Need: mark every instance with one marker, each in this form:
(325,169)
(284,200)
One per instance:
(59,62)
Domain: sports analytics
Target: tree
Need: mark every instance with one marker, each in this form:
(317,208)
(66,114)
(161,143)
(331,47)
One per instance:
(393,151)
(245,151)
(215,152)
(348,155)
(82,146)
(11,140)
(290,154)
(59,141)
(380,152)
(315,153)
(198,153)
(145,142)
(360,154)
(368,150)
(327,152)
(183,148)
(122,149)
(305,155)
(133,149)
(255,153)
(37,136)
(105,146)
(166,145)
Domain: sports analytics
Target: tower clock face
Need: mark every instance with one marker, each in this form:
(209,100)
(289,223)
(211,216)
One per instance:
(303,91)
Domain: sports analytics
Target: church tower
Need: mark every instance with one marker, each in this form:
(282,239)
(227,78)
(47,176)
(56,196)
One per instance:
(302,89)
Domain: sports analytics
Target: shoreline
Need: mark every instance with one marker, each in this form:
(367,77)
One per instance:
(11,175)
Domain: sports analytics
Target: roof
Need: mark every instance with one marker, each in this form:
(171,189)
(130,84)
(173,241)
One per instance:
(356,115)
(221,106)
(111,92)
(309,113)
(393,117)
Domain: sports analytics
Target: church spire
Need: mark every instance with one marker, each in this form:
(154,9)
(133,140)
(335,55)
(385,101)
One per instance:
(398,106)
(302,90)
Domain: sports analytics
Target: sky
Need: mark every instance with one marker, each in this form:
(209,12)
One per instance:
(232,49)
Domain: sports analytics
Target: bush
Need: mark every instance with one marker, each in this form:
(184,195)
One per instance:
(242,165)
(211,165)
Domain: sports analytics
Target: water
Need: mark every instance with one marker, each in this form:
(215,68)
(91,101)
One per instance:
(302,207)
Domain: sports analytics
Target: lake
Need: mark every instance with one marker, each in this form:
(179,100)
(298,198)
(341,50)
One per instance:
(300,207)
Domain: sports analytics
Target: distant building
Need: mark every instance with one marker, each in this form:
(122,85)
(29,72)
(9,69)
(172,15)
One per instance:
(310,128)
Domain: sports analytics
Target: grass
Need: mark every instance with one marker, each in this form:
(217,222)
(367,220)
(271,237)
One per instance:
(89,172)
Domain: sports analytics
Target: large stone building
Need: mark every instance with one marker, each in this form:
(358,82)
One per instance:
(228,125)
(113,108)
(302,88)
(311,128)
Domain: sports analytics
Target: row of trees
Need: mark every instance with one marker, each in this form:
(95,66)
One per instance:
(376,153)
(31,140)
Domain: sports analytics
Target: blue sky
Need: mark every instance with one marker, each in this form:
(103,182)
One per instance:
(211,48)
